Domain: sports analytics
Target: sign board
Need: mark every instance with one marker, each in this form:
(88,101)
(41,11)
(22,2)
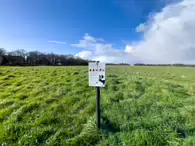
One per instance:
(97,74)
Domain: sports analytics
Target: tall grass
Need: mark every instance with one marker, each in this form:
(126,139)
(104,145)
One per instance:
(55,106)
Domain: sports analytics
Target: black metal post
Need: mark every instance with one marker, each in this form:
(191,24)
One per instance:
(98,106)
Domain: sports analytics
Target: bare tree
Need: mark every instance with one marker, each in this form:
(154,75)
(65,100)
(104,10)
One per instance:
(20,52)
(21,57)
(2,51)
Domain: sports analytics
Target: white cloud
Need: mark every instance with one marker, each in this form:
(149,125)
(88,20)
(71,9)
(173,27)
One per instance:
(84,54)
(102,51)
(88,42)
(168,36)
(87,37)
(57,42)
(129,49)
(141,28)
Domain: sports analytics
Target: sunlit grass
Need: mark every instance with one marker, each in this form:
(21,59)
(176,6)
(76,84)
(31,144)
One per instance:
(55,106)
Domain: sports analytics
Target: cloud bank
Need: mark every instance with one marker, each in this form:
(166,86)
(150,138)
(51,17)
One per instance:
(168,36)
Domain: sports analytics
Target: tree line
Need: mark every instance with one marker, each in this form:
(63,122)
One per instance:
(122,64)
(174,64)
(22,57)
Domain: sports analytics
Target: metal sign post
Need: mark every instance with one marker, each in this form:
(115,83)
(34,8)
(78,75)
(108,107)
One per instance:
(97,78)
(98,106)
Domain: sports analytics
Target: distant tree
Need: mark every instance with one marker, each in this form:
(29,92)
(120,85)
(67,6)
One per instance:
(33,57)
(20,52)
(52,58)
(2,51)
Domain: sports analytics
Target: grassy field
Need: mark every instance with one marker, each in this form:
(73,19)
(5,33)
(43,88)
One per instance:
(55,106)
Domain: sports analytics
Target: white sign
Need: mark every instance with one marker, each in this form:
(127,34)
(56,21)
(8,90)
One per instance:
(97,74)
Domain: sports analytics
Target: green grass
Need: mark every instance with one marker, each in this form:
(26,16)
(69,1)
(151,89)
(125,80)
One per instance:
(139,106)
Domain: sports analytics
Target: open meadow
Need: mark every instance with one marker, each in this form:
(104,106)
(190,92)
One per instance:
(140,106)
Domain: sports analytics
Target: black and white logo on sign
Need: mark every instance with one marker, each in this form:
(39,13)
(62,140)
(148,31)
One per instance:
(102,79)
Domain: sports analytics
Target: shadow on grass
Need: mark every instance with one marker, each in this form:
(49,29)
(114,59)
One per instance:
(108,127)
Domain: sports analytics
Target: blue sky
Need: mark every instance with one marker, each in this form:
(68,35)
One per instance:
(45,25)
(30,24)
